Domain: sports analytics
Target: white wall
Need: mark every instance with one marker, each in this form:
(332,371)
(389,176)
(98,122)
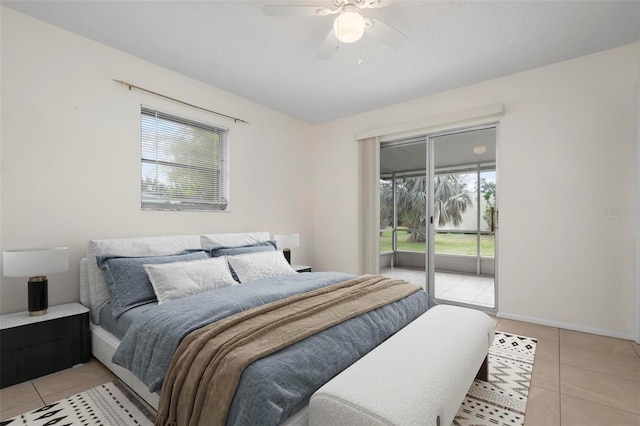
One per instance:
(70,170)
(567,141)
(70,153)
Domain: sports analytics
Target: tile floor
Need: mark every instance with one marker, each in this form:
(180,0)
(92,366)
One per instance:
(472,289)
(578,379)
(44,390)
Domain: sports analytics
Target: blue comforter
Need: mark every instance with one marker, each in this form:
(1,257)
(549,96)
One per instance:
(272,388)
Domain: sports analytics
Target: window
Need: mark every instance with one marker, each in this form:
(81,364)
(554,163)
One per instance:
(184,163)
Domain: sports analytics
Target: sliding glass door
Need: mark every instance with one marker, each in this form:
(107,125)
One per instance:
(437,214)
(403,208)
(462,212)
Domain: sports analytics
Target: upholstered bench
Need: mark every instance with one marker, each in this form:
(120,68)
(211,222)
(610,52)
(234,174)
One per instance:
(419,376)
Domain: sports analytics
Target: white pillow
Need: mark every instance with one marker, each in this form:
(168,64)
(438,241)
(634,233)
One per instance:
(253,266)
(172,281)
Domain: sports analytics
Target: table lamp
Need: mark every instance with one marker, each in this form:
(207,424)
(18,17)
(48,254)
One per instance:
(286,243)
(36,264)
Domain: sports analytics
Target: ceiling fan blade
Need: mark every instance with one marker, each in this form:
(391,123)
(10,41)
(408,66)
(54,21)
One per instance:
(386,34)
(329,45)
(296,10)
(374,4)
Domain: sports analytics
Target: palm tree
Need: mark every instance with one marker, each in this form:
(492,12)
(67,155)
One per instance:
(411,196)
(451,201)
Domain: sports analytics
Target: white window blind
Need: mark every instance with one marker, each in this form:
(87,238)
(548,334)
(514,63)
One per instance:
(184,163)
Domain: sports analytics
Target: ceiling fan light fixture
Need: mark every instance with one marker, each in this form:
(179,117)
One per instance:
(349,27)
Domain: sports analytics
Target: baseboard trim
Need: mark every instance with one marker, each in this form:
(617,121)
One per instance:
(566,326)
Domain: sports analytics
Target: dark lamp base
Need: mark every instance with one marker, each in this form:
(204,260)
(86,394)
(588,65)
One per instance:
(38,296)
(287,255)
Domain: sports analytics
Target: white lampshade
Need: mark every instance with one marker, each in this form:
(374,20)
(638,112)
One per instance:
(35,262)
(287,241)
(349,27)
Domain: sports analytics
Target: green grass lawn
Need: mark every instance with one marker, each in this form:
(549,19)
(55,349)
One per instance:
(444,244)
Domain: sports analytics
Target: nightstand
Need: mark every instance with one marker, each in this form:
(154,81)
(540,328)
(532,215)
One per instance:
(35,346)
(301,268)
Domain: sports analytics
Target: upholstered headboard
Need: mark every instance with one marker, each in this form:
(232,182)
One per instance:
(94,293)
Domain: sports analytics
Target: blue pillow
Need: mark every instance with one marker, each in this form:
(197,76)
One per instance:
(234,251)
(128,282)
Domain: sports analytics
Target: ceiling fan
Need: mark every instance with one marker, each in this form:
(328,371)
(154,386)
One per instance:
(349,25)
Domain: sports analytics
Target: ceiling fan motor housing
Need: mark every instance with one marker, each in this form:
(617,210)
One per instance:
(352,5)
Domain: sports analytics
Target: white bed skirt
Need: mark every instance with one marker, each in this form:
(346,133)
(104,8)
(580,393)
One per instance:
(103,346)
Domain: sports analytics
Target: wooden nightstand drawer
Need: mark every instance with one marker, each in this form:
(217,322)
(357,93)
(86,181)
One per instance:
(31,347)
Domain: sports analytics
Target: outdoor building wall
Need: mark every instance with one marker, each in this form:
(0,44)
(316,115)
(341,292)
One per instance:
(71,153)
(566,171)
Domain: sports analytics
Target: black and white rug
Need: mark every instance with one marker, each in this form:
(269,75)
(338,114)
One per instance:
(503,399)
(111,404)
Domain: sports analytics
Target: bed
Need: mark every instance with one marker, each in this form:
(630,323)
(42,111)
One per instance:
(136,337)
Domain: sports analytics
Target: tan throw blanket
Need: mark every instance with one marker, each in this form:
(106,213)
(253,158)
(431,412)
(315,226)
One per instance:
(205,370)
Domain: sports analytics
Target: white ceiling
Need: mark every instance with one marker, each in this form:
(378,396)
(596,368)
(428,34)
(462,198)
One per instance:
(271,60)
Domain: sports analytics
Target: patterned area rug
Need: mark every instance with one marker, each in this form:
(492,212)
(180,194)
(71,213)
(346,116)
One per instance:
(503,400)
(111,404)
(500,402)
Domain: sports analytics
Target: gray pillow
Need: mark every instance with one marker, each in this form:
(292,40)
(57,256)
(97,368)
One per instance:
(129,283)
(246,249)
(249,248)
